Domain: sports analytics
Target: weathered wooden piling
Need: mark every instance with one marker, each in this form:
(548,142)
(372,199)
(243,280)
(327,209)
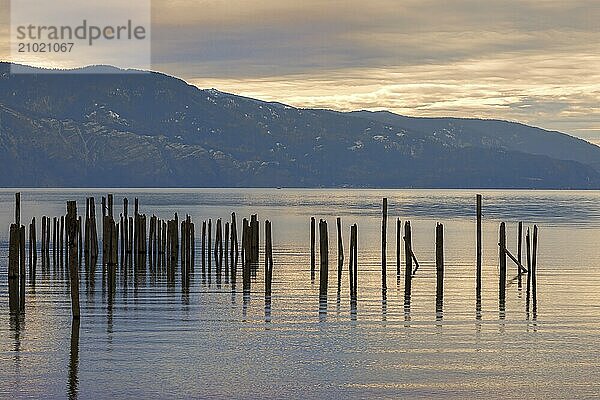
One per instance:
(174,244)
(219,247)
(384,244)
(18,209)
(408,271)
(43,244)
(110,205)
(479,254)
(130,245)
(203,247)
(61,243)
(183,249)
(528,249)
(312,247)
(22,252)
(91,234)
(255,237)
(79,239)
(439,264)
(47,239)
(502,245)
(54,241)
(122,239)
(110,247)
(73,257)
(125,230)
(164,244)
(353,263)
(268,259)
(226,250)
(534,267)
(32,250)
(246,260)
(13,251)
(340,252)
(324,258)
(519,242)
(398,247)
(209,245)
(192,246)
(234,247)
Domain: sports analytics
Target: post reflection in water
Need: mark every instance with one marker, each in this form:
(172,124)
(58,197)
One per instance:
(384,304)
(73,386)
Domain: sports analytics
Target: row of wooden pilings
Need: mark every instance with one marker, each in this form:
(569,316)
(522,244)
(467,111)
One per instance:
(167,240)
(129,242)
(404,235)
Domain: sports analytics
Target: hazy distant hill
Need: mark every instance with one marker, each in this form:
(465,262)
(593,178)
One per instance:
(155,130)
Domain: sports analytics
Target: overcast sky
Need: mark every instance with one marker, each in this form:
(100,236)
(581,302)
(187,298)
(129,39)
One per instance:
(534,61)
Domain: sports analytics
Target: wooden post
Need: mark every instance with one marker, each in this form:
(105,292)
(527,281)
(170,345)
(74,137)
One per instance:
(246,260)
(398,246)
(164,243)
(54,238)
(22,253)
(61,245)
(203,247)
(209,243)
(502,244)
(192,246)
(534,267)
(234,239)
(384,245)
(79,239)
(220,238)
(125,230)
(479,255)
(73,257)
(226,250)
(47,239)
(110,205)
(13,252)
(324,257)
(31,241)
(122,226)
(312,247)
(255,237)
(158,244)
(175,242)
(528,248)
(268,259)
(340,252)
(13,270)
(519,244)
(43,247)
(439,264)
(94,232)
(408,257)
(18,209)
(86,234)
(183,250)
(351,262)
(354,234)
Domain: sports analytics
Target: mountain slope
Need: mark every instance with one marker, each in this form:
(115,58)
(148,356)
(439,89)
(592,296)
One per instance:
(151,129)
(495,134)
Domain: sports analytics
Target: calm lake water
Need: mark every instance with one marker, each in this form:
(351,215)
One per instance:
(153,340)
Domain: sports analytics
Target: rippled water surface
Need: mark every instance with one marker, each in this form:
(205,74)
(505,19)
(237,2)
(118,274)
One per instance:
(151,339)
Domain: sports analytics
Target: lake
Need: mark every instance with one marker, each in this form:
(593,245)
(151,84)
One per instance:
(152,339)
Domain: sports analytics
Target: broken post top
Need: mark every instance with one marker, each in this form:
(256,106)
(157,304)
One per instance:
(18,208)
